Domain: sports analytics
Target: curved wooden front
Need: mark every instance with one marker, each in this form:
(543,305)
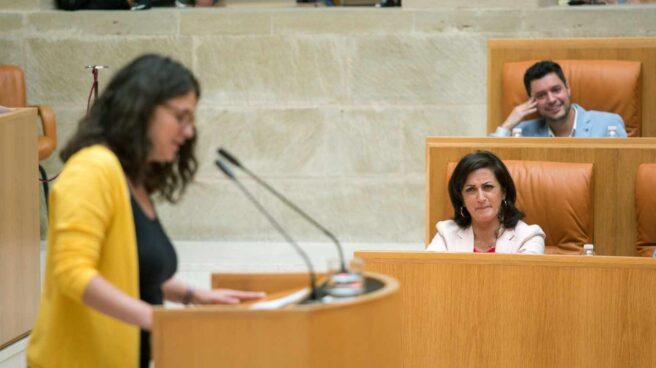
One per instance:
(361,332)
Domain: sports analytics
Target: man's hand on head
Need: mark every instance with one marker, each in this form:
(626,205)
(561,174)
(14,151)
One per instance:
(519,113)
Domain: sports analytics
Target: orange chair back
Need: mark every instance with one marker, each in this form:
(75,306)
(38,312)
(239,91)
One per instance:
(12,86)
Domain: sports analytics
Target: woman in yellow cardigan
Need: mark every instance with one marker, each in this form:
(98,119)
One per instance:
(108,258)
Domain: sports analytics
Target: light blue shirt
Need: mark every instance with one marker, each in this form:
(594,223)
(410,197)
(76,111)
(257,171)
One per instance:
(587,124)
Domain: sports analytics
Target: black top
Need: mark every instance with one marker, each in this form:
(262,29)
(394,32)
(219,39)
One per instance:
(157,263)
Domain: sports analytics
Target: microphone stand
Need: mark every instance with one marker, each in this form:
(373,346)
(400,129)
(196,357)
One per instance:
(283,199)
(314,295)
(94,86)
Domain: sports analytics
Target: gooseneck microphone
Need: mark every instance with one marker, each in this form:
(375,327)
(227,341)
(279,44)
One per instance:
(314,295)
(233,160)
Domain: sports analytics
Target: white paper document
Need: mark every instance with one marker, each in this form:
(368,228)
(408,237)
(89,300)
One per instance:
(281,302)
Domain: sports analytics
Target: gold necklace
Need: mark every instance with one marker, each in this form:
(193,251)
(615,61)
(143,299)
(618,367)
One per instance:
(489,245)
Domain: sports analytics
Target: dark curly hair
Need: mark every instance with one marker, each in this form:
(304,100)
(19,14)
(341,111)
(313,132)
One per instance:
(539,70)
(509,215)
(120,118)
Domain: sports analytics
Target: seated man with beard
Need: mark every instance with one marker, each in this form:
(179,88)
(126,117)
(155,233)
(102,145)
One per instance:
(550,95)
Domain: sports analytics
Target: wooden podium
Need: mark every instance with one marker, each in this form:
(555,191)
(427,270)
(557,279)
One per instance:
(496,310)
(19,224)
(357,332)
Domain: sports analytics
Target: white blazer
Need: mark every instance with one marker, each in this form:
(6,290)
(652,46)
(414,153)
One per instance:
(523,238)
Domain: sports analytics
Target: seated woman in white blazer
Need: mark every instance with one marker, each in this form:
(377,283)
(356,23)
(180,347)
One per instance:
(485,218)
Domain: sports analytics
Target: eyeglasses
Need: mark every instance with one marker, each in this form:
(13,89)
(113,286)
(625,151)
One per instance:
(185,118)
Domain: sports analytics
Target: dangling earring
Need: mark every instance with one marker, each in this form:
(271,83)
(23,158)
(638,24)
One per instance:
(504,206)
(461,211)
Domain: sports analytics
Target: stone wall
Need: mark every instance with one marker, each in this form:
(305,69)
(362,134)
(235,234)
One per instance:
(330,105)
(26,5)
(461,4)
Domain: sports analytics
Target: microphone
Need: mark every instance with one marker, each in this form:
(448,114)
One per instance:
(233,160)
(314,295)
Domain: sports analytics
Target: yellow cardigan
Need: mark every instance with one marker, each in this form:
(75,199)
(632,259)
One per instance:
(91,231)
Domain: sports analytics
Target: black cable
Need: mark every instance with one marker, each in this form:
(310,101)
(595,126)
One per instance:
(44,182)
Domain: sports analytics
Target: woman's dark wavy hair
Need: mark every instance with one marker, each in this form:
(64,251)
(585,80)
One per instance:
(509,215)
(120,118)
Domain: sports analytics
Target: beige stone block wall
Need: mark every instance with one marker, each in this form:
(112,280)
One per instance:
(10,23)
(19,4)
(59,24)
(271,70)
(445,4)
(11,52)
(26,5)
(60,63)
(330,105)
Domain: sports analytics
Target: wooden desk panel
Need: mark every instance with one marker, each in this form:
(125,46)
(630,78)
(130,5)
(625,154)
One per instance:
(269,282)
(615,162)
(19,224)
(493,310)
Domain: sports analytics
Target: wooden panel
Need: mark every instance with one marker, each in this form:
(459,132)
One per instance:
(270,282)
(494,310)
(501,51)
(19,224)
(615,162)
(361,332)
